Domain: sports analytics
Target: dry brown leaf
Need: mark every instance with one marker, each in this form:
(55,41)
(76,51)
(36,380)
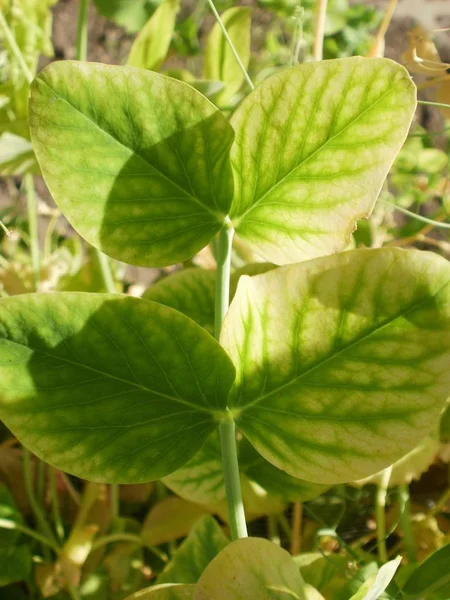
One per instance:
(422,56)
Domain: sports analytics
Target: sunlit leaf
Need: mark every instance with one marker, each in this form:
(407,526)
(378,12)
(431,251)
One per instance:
(381,582)
(251,569)
(342,362)
(409,467)
(170,519)
(203,543)
(313,146)
(132,14)
(165,592)
(108,387)
(152,44)
(138,162)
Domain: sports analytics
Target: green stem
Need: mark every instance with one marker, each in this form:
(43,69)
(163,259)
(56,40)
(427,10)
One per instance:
(320,16)
(222,298)
(15,50)
(405,523)
(417,217)
(132,539)
(272,526)
(115,503)
(82,42)
(34,505)
(440,504)
(230,43)
(73,592)
(438,104)
(105,269)
(5,229)
(232,478)
(55,504)
(380,511)
(82,30)
(33,226)
(8,524)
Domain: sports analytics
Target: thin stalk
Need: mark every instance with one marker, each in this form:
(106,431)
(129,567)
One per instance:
(223,277)
(405,523)
(272,527)
(8,524)
(15,50)
(417,217)
(380,512)
(105,270)
(82,30)
(114,497)
(33,226)
(81,55)
(284,524)
(381,33)
(438,104)
(432,82)
(132,539)
(5,229)
(440,504)
(230,43)
(56,513)
(296,540)
(319,28)
(34,505)
(73,592)
(232,478)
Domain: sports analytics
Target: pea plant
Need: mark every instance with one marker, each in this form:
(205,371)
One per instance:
(331,363)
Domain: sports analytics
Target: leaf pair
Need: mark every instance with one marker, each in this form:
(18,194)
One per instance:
(147,169)
(333,369)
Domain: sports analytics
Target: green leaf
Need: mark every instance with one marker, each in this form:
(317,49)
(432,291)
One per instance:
(152,44)
(107,387)
(342,362)
(382,580)
(444,427)
(170,519)
(408,467)
(204,542)
(165,592)
(251,569)
(431,576)
(16,155)
(132,14)
(220,62)
(137,162)
(192,291)
(313,146)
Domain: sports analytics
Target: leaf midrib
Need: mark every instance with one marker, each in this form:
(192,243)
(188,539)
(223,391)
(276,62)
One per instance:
(217,216)
(294,380)
(115,377)
(238,220)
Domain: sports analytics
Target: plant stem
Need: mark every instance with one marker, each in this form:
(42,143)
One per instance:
(272,526)
(232,478)
(34,505)
(230,43)
(416,216)
(33,226)
(319,28)
(130,538)
(438,104)
(105,270)
(379,37)
(55,504)
(296,529)
(82,42)
(73,592)
(222,299)
(8,524)
(15,50)
(405,523)
(114,497)
(82,30)
(380,511)
(440,504)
